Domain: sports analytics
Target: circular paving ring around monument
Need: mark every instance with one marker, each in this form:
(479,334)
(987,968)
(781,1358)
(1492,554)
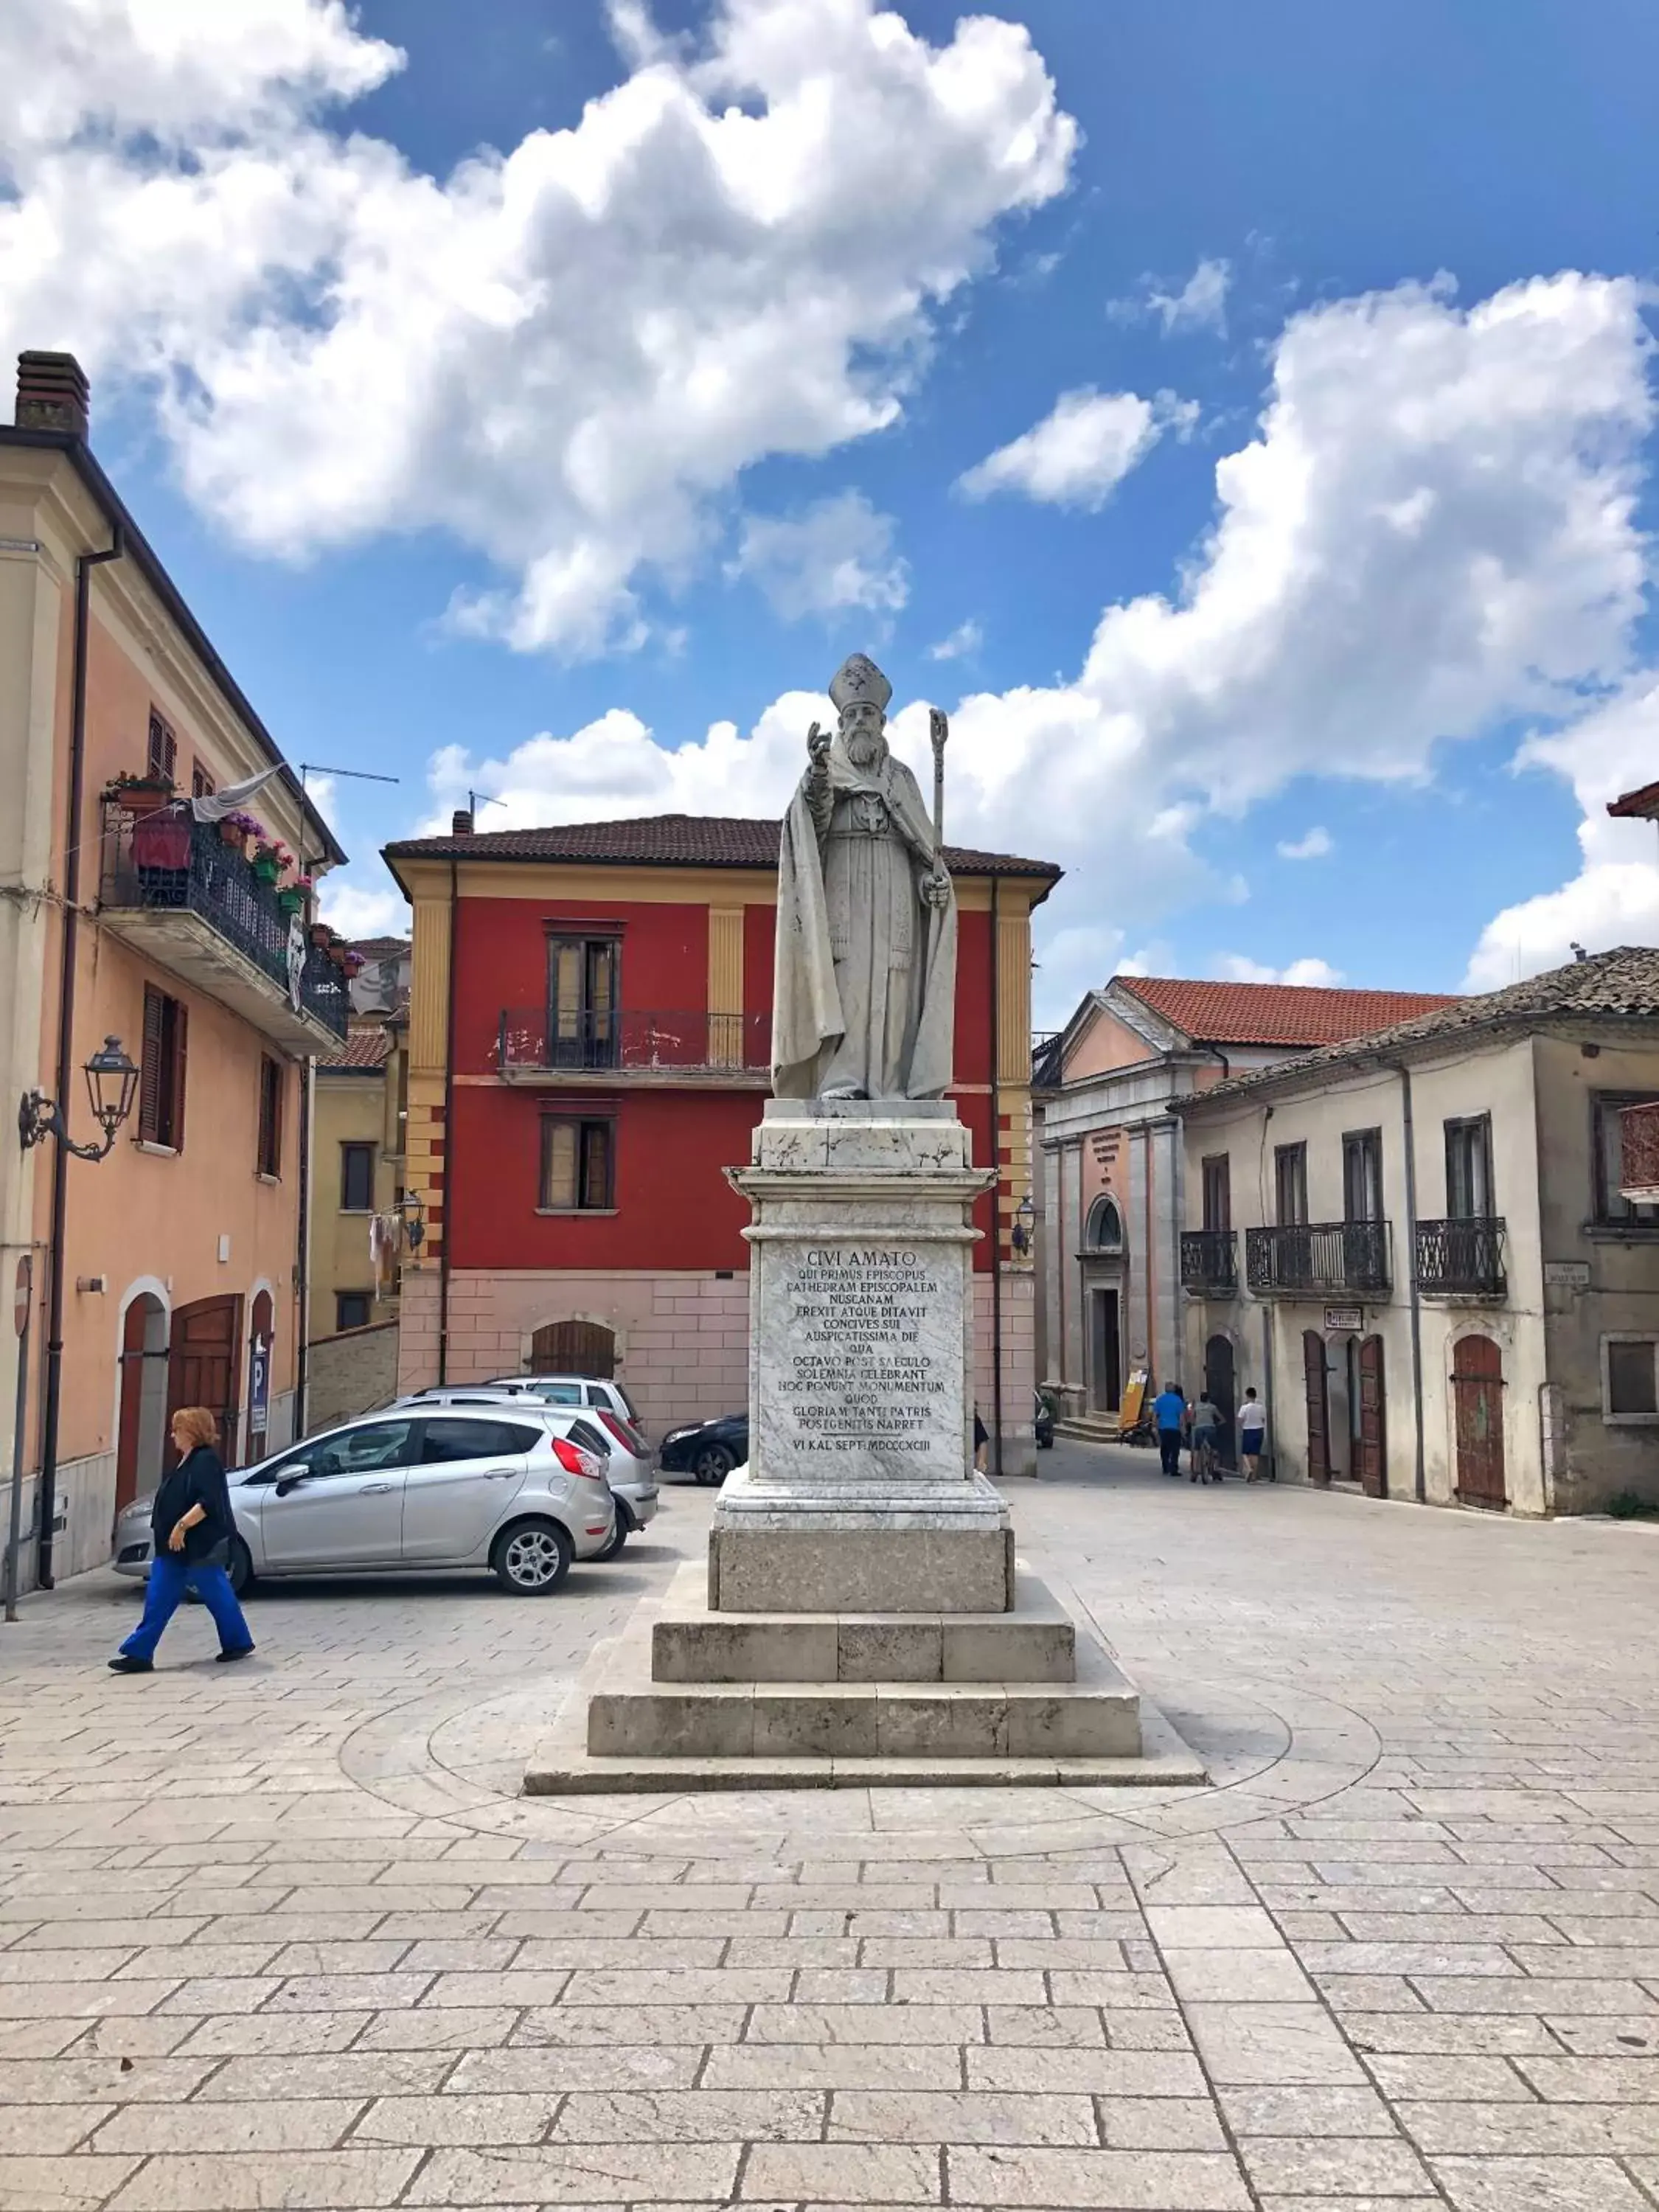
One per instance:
(1271,1749)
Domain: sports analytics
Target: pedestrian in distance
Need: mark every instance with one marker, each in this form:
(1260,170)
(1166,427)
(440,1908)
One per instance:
(191,1531)
(981,1443)
(1170,1412)
(1252,1428)
(1206,1428)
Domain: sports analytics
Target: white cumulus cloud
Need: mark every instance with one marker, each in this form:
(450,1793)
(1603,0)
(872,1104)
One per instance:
(1201,303)
(565,352)
(964,640)
(1082,449)
(1614,898)
(1313,845)
(835,557)
(1239,968)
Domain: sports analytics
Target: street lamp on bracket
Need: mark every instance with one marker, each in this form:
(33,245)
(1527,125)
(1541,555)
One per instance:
(1024,1220)
(112,1082)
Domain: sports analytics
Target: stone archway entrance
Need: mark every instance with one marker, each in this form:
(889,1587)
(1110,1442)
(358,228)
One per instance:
(573,1347)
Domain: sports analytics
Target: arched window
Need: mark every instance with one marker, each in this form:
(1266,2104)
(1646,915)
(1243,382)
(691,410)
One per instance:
(1105,1231)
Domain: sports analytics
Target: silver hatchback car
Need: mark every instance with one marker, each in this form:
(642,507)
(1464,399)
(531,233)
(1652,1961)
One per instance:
(409,1491)
(630,1471)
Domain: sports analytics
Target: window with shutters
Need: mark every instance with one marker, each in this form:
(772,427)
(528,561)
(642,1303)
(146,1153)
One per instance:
(1217,1191)
(1468,1169)
(1611,1204)
(271,1116)
(1290,1184)
(356,1178)
(578,1165)
(202,785)
(582,980)
(162,757)
(161,1072)
(1362,1175)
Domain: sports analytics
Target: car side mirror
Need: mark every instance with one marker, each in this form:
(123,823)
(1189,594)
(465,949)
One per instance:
(292,1481)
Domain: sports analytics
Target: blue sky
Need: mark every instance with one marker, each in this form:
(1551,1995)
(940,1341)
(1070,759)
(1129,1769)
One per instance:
(613,443)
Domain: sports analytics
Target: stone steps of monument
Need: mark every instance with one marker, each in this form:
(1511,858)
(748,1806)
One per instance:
(1095,1715)
(1036,1642)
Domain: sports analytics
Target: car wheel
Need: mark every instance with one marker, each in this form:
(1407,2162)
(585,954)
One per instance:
(618,1538)
(531,1558)
(713,1464)
(239,1567)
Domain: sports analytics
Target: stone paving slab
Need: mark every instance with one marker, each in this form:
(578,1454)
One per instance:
(294,1939)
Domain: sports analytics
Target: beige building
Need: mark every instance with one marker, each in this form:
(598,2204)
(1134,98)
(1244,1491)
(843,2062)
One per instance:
(357,1228)
(1417,1247)
(165,1272)
(1111,1184)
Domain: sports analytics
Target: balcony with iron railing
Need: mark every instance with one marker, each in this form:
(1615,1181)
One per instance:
(601,1046)
(1461,1258)
(1638,1154)
(1046,1069)
(1209,1262)
(1316,1259)
(177,891)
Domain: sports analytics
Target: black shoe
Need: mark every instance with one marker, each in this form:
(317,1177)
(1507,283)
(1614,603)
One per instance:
(236,1651)
(121,1664)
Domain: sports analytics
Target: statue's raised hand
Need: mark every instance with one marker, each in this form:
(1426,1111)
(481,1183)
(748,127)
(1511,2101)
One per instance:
(817,745)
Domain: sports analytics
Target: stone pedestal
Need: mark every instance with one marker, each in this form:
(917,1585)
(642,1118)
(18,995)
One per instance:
(860,1494)
(862,1621)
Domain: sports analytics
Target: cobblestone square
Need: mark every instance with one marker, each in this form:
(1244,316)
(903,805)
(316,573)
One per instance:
(286,1935)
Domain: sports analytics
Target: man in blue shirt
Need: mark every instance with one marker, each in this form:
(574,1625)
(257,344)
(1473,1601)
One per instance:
(1169,1411)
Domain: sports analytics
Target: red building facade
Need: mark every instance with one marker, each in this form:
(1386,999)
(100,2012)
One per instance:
(589,1038)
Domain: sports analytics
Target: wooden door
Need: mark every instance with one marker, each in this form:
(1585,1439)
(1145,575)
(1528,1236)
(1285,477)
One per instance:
(1477,1412)
(1319,1409)
(1218,1381)
(573,1347)
(1373,1432)
(143,1338)
(1108,1377)
(205,1366)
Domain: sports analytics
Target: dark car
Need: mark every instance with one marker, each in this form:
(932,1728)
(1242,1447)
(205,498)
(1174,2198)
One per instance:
(709,1449)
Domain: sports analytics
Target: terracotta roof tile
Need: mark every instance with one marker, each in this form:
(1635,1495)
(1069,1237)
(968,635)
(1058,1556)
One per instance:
(1618,986)
(1641,803)
(1276,1013)
(365,1048)
(697,841)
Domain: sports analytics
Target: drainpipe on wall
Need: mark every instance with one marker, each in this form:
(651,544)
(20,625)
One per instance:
(449,1132)
(996,1187)
(1419,1485)
(51,1406)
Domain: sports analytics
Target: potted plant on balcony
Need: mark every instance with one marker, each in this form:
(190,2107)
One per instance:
(235,828)
(267,860)
(140,794)
(321,935)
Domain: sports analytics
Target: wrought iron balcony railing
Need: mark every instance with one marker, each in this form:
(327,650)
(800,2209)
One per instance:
(531,1043)
(1209,1261)
(1461,1258)
(1316,1257)
(1045,1059)
(170,864)
(1638,1153)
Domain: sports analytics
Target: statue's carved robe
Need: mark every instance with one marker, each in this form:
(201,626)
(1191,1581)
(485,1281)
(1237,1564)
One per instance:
(863,986)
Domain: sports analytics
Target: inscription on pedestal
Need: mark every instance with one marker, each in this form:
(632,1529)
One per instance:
(867,1365)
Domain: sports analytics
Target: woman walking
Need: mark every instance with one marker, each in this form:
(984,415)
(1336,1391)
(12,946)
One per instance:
(190,1530)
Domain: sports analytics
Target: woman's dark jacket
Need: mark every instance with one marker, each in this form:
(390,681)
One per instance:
(198,1479)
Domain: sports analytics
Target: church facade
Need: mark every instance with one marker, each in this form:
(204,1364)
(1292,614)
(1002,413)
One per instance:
(589,1050)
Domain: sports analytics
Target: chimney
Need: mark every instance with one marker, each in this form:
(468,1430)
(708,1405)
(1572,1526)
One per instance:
(52,393)
(461,822)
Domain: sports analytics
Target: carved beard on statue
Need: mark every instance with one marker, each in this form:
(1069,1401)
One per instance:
(866,748)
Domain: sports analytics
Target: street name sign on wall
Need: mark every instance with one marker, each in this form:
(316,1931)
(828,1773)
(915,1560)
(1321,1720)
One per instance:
(1344,1320)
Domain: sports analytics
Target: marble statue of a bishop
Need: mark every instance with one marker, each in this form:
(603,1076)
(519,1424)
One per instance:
(864,983)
